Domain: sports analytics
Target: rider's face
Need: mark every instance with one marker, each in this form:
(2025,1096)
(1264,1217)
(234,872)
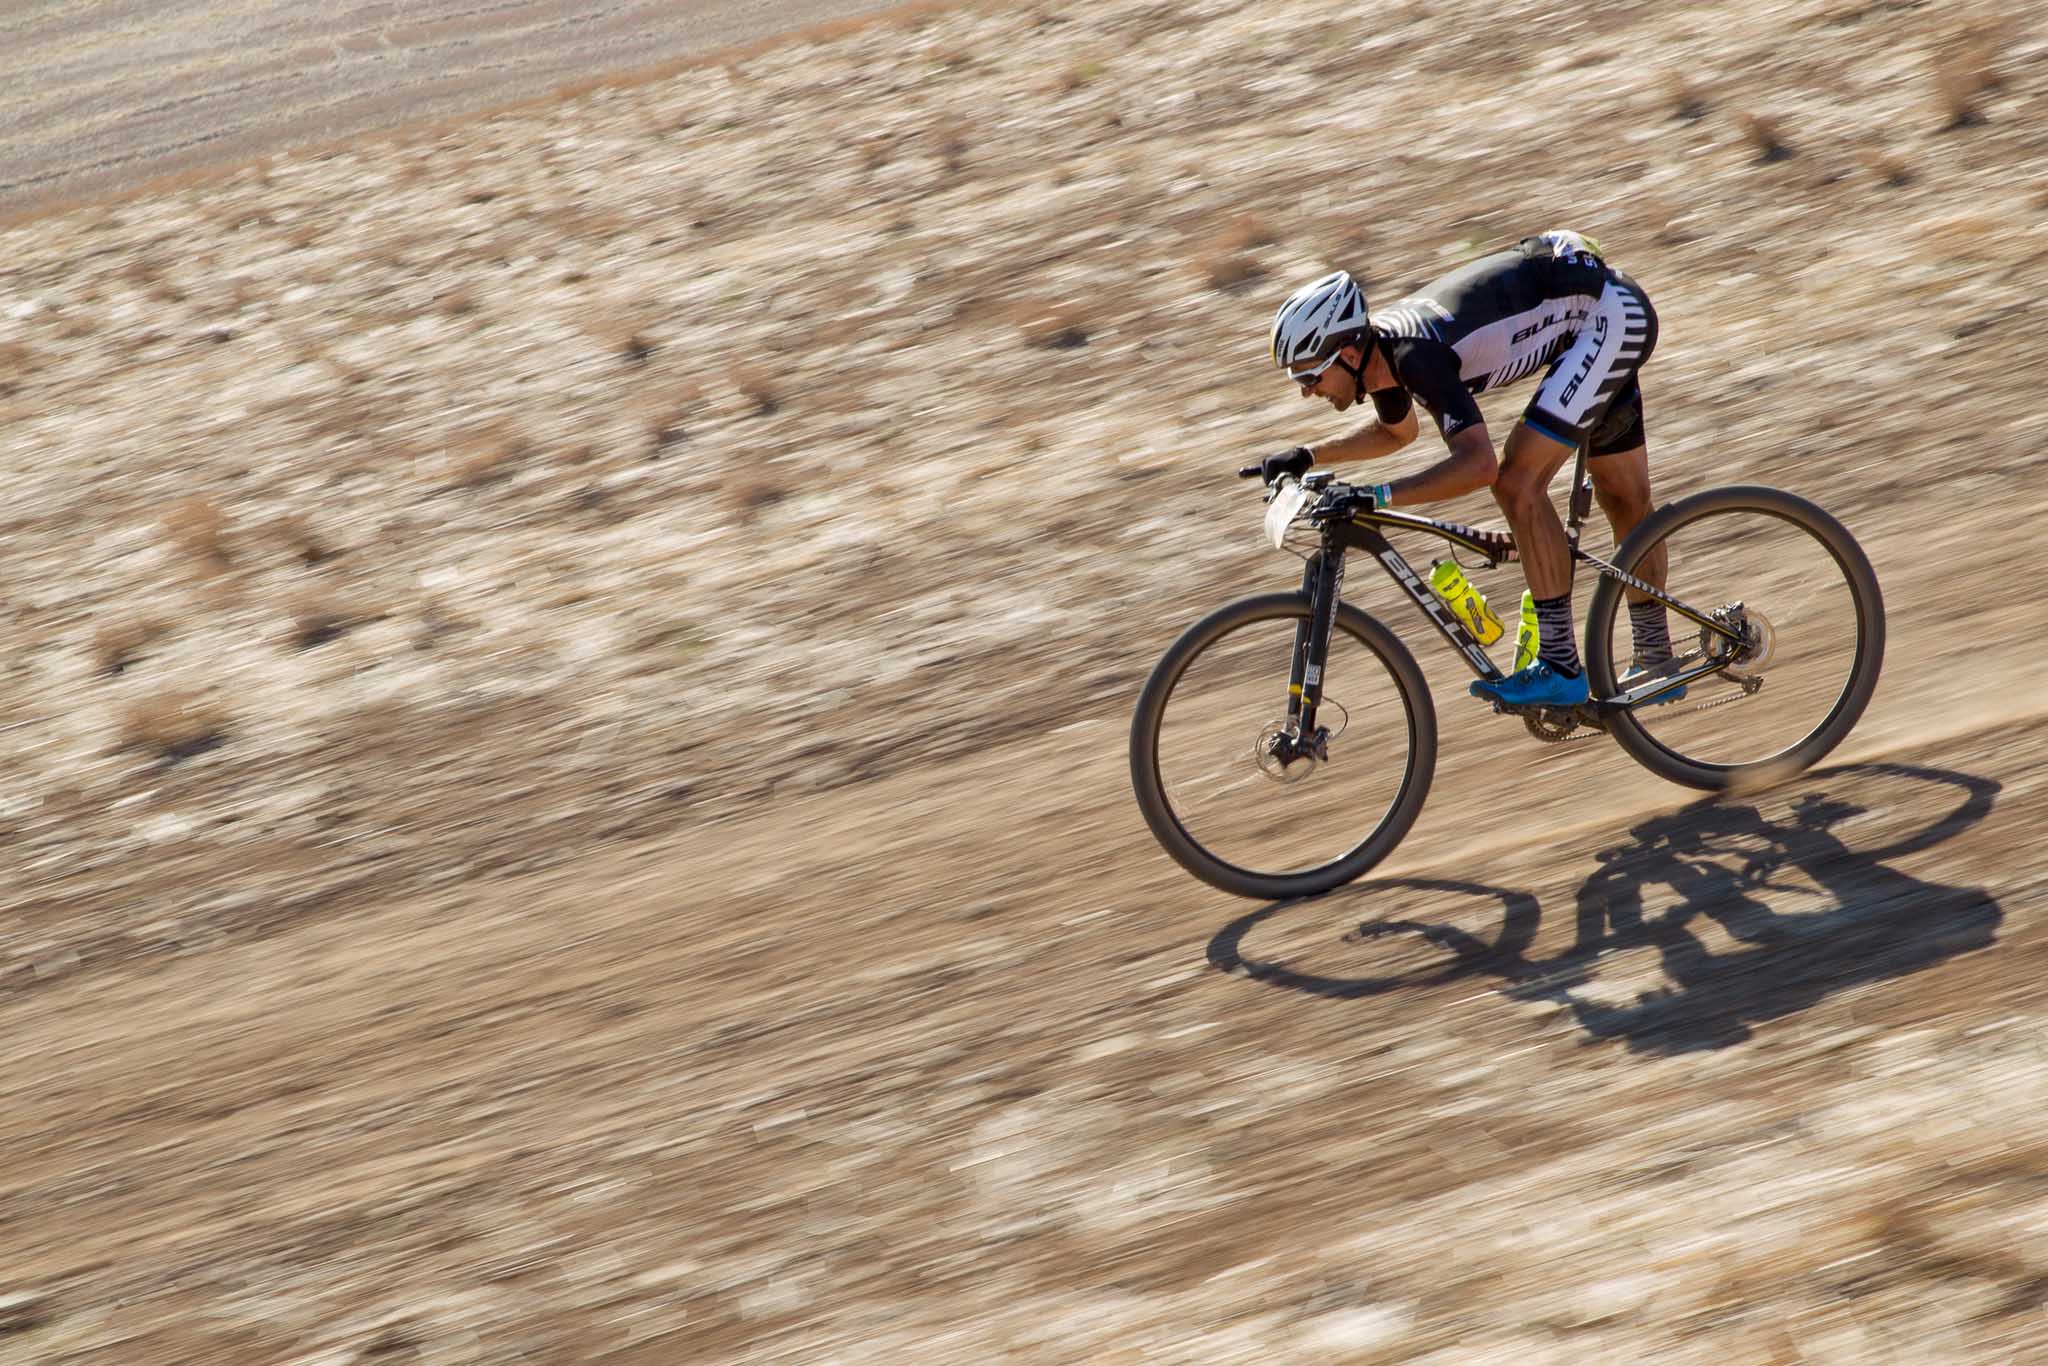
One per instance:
(1335,385)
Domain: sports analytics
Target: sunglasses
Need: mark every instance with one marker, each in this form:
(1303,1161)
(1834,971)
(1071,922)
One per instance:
(1314,372)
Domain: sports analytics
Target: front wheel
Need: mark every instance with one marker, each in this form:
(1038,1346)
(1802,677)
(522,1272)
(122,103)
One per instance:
(1793,582)
(1207,726)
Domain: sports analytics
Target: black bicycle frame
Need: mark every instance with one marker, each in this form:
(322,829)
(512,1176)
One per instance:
(1323,578)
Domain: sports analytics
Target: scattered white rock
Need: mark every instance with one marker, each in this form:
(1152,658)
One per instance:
(1368,1328)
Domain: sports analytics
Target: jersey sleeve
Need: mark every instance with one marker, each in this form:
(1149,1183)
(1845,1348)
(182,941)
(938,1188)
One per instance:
(1392,404)
(1429,370)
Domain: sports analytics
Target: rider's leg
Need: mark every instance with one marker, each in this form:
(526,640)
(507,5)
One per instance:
(1522,488)
(1528,464)
(1621,485)
(1587,378)
(1619,462)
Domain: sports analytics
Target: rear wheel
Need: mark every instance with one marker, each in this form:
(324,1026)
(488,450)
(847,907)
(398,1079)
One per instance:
(1794,582)
(1212,719)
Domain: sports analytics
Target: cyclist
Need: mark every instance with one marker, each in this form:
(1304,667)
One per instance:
(1550,300)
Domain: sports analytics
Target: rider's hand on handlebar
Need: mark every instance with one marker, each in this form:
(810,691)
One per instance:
(1368,497)
(1294,461)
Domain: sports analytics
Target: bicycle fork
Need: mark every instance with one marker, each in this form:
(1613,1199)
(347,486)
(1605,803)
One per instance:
(1321,582)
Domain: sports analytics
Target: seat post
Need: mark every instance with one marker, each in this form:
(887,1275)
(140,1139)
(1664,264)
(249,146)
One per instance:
(1582,499)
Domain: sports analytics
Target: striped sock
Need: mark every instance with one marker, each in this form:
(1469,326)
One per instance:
(1559,648)
(1652,632)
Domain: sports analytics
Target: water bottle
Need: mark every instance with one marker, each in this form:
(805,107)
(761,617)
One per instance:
(1527,641)
(1466,602)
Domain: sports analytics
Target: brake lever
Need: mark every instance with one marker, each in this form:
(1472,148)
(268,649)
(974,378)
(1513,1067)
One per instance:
(1341,503)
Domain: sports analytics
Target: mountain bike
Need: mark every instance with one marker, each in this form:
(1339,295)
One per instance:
(1285,743)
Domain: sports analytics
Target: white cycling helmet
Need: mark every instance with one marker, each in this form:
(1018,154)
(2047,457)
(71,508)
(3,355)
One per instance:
(1315,323)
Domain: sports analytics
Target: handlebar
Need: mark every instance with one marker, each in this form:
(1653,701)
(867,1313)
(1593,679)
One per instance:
(1330,497)
(1325,499)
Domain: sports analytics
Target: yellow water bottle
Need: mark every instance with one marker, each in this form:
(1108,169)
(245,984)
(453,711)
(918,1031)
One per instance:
(1527,640)
(1466,602)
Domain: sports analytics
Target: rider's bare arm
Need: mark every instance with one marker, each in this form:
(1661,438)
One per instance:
(1377,438)
(1470,465)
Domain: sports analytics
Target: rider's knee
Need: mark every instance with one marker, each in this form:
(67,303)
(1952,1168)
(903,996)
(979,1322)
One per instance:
(1630,503)
(1517,487)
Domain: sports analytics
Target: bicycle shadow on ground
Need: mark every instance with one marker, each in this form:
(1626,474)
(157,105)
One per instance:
(1803,911)
(1470,955)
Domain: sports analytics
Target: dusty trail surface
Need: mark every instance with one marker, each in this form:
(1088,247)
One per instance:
(109,95)
(552,812)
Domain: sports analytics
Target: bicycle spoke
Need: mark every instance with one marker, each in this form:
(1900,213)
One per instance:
(1781,581)
(1233,694)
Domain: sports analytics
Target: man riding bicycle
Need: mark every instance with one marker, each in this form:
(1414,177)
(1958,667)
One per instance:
(1550,300)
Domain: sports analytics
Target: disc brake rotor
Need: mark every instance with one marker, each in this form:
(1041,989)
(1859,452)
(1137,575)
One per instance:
(1760,643)
(1282,756)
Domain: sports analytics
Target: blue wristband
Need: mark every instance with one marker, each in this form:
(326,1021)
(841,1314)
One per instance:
(1382,495)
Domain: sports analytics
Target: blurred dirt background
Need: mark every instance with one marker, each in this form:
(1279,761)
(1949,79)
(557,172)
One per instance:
(120,91)
(562,775)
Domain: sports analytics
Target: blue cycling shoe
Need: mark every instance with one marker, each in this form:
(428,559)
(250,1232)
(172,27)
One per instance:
(1536,686)
(1638,674)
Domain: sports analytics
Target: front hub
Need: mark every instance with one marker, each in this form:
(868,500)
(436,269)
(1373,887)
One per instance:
(1286,757)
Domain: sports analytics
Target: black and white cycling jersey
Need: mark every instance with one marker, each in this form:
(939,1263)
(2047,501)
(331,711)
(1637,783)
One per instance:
(1550,300)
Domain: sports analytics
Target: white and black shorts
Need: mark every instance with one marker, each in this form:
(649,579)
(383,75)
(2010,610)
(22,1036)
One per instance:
(1590,394)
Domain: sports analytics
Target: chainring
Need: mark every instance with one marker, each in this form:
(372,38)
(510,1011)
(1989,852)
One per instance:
(1551,725)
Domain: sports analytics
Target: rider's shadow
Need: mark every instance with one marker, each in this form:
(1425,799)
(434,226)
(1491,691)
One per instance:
(1789,940)
(1803,913)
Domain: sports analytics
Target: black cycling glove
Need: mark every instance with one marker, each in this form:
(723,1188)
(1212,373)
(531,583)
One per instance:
(1294,461)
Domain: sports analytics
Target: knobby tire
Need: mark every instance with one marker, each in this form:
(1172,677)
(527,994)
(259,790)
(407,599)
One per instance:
(1373,845)
(1609,598)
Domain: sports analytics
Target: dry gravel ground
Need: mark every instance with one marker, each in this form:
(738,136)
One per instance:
(562,778)
(113,93)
